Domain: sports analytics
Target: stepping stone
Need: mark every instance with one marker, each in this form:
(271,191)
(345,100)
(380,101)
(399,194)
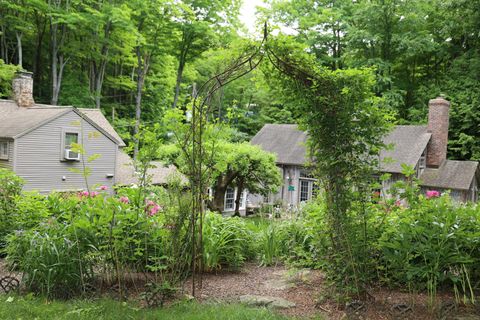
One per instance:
(278,284)
(266,301)
(469,317)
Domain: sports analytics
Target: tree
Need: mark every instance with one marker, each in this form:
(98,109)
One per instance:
(153,21)
(245,167)
(200,25)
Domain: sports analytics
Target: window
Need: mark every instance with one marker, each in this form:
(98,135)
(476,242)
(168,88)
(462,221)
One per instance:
(305,190)
(242,198)
(230,199)
(70,138)
(422,163)
(4,150)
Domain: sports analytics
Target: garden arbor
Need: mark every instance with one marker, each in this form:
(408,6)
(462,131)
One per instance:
(345,126)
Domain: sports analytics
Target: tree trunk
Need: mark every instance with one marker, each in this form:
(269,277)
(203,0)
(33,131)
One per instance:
(240,188)
(142,70)
(219,189)
(181,66)
(3,45)
(19,48)
(187,39)
(37,67)
(58,61)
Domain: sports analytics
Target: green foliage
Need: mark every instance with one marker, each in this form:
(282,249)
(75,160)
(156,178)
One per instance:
(227,242)
(7,72)
(433,243)
(64,242)
(10,188)
(346,125)
(31,308)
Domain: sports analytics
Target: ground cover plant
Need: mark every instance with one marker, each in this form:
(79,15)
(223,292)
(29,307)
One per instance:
(14,307)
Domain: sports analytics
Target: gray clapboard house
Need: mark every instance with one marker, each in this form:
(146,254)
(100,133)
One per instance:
(423,147)
(35,142)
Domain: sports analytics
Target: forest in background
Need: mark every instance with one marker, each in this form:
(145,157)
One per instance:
(137,59)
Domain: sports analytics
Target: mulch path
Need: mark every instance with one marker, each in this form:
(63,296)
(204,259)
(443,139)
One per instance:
(307,295)
(252,280)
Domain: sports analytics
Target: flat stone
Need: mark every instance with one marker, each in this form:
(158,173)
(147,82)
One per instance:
(266,301)
(278,284)
(300,276)
(467,317)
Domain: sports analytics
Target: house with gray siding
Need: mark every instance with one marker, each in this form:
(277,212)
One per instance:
(36,141)
(287,142)
(423,147)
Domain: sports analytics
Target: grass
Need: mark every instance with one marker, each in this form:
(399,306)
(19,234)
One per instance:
(23,308)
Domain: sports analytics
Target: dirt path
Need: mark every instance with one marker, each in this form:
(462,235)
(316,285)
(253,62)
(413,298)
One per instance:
(300,287)
(305,289)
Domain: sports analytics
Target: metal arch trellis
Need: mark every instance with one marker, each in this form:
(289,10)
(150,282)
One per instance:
(198,172)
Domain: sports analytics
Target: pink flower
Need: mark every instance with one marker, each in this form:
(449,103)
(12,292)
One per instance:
(83,194)
(432,194)
(124,199)
(152,208)
(398,203)
(93,194)
(103,188)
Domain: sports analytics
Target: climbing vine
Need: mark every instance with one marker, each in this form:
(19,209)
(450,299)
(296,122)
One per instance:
(345,126)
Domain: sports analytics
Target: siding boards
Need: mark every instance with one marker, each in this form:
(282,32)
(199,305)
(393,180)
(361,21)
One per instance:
(8,164)
(39,157)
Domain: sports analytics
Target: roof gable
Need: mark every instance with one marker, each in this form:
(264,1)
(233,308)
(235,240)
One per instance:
(17,121)
(285,140)
(408,142)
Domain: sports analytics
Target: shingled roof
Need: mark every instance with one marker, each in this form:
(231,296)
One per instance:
(452,174)
(97,116)
(16,121)
(408,144)
(285,140)
(159,174)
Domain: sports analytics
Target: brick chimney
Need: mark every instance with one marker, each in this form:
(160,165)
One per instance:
(22,87)
(438,126)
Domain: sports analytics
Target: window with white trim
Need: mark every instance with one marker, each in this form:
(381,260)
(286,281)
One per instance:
(305,190)
(230,199)
(69,139)
(4,150)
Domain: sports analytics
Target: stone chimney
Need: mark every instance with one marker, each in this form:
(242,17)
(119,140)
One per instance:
(22,87)
(438,126)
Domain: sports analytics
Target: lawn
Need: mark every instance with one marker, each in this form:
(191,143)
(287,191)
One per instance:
(35,308)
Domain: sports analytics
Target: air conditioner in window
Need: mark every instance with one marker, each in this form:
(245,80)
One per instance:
(71,155)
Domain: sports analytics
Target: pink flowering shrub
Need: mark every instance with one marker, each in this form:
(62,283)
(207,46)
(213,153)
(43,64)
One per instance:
(103,188)
(124,199)
(152,208)
(432,194)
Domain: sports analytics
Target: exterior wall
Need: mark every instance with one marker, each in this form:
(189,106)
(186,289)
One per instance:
(8,164)
(387,184)
(289,192)
(39,156)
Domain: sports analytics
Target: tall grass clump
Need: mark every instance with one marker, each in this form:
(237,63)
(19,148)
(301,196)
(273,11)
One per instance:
(227,242)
